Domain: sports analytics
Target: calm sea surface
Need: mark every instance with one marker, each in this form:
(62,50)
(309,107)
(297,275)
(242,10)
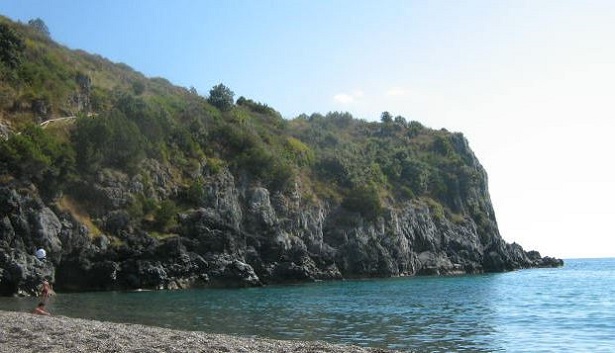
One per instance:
(569,309)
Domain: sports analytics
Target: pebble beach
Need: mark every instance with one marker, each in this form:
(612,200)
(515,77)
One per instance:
(25,332)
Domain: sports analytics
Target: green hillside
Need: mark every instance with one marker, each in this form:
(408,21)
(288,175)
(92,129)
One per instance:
(124,119)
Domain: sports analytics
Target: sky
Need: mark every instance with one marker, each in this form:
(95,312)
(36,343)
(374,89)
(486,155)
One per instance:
(531,84)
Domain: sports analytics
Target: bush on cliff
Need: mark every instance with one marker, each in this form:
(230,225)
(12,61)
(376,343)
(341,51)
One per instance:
(39,157)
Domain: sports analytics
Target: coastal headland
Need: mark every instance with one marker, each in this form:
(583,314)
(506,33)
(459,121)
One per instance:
(154,186)
(24,332)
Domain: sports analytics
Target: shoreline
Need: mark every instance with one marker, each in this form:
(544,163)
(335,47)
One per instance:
(25,332)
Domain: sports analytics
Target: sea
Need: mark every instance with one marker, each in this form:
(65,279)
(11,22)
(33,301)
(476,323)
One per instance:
(567,309)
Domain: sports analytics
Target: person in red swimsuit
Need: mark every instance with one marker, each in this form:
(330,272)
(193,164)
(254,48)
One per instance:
(46,291)
(40,309)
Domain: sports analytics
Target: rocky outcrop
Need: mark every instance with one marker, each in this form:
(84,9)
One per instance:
(25,224)
(80,99)
(5,130)
(244,235)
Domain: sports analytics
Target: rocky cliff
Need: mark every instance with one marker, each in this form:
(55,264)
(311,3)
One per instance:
(241,235)
(131,182)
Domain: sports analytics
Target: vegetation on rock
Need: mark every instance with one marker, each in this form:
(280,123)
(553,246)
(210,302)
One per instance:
(133,153)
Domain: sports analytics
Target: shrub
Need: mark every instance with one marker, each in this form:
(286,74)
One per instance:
(39,157)
(11,47)
(165,214)
(256,106)
(299,152)
(435,208)
(39,26)
(195,193)
(108,140)
(221,97)
(364,200)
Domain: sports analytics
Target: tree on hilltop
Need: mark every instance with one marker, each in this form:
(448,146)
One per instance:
(386,117)
(40,26)
(221,97)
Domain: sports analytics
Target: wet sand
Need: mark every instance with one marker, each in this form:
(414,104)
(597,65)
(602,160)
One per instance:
(25,332)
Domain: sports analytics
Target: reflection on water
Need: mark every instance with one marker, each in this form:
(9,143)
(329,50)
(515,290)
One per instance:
(568,309)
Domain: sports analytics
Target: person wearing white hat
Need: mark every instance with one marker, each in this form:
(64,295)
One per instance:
(41,254)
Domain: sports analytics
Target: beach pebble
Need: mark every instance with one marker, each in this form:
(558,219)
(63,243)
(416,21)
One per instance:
(24,332)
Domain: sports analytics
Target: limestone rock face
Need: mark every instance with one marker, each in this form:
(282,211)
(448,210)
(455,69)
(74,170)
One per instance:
(81,98)
(26,224)
(5,130)
(242,234)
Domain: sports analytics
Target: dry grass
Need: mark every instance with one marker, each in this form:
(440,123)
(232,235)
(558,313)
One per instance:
(67,204)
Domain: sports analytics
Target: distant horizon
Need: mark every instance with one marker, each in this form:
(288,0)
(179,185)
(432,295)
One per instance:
(528,83)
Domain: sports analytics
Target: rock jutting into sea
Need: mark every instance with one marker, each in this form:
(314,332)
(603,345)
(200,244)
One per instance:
(24,332)
(119,182)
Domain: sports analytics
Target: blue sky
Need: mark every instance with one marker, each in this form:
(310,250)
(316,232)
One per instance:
(530,83)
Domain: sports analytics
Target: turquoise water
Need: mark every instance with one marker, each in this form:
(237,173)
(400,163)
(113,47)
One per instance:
(569,309)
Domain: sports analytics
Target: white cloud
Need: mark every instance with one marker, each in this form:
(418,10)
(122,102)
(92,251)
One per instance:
(347,98)
(396,92)
(358,93)
(343,98)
